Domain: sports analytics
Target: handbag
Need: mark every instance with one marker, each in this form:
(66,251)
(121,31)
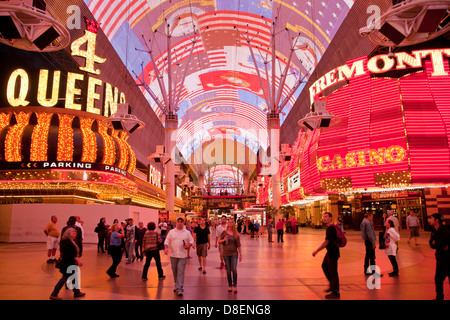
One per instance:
(59,263)
(160,244)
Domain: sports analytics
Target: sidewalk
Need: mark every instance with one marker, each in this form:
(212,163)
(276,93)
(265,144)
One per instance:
(268,271)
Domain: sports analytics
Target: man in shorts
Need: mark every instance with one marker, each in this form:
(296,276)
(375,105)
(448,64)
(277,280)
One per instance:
(52,233)
(413,225)
(202,242)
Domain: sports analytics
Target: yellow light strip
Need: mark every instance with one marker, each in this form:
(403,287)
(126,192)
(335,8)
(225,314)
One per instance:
(109,154)
(13,142)
(132,159)
(39,138)
(65,138)
(123,160)
(89,141)
(4,120)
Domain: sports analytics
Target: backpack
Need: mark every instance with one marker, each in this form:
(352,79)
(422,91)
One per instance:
(341,240)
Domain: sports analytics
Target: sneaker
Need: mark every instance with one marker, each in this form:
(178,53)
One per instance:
(55,298)
(333,295)
(79,294)
(162,277)
(180,294)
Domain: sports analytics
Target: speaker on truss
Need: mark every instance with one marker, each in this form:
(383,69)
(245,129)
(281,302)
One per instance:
(39,4)
(46,38)
(136,126)
(117,125)
(8,29)
(393,31)
(325,122)
(431,19)
(306,124)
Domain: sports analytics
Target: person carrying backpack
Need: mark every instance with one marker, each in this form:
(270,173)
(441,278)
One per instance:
(330,261)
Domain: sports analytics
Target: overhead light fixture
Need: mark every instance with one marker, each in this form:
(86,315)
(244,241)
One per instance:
(123,120)
(159,156)
(319,117)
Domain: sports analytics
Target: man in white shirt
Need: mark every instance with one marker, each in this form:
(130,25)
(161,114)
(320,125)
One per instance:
(394,219)
(219,230)
(178,240)
(163,227)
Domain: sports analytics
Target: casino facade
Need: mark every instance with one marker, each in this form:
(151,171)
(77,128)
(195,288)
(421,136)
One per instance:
(389,149)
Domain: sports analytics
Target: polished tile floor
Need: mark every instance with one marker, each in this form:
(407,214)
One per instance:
(269,271)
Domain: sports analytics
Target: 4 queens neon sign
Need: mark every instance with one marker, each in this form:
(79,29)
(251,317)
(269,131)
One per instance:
(401,60)
(18,86)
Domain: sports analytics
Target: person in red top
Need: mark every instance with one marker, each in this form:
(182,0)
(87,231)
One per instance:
(280,230)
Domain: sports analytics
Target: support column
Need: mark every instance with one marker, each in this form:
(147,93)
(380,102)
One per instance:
(273,127)
(171,125)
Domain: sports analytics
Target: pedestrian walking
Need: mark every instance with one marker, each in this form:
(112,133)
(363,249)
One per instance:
(270,230)
(130,240)
(52,233)
(440,241)
(140,232)
(72,223)
(369,237)
(150,247)
(231,253)
(178,240)
(330,261)
(115,250)
(69,264)
(280,230)
(413,226)
(202,242)
(102,233)
(219,230)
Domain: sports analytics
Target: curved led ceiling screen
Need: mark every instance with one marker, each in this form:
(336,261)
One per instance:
(222,88)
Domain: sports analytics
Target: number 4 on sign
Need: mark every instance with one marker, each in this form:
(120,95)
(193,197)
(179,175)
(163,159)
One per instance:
(90,38)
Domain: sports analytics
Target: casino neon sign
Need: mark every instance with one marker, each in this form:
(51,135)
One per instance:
(362,66)
(19,78)
(362,158)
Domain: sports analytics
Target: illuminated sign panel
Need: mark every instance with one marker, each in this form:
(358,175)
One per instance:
(363,66)
(393,132)
(78,90)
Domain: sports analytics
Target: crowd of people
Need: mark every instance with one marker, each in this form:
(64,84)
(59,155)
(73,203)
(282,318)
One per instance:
(139,242)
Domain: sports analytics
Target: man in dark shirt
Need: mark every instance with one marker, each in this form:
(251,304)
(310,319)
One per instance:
(203,243)
(330,261)
(440,240)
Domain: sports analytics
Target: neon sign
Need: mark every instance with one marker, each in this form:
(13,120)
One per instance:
(362,158)
(19,78)
(363,66)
